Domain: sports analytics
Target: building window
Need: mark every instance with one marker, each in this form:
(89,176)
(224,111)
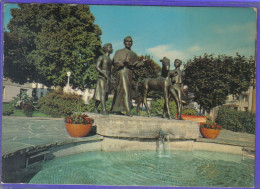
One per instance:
(245,108)
(245,98)
(41,94)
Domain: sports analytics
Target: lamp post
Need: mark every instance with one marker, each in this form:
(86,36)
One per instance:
(68,74)
(67,88)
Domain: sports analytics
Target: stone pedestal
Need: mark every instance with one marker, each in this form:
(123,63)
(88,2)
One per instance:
(144,127)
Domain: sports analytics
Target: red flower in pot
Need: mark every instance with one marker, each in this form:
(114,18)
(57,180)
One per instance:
(210,130)
(78,125)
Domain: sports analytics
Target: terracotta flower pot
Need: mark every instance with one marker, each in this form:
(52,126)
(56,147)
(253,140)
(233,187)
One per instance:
(201,119)
(209,133)
(78,130)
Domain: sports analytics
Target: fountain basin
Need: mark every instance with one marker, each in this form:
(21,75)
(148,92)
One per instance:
(149,168)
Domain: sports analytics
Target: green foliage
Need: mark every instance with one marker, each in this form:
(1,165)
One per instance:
(211,79)
(149,70)
(18,112)
(16,67)
(91,105)
(210,125)
(248,121)
(79,118)
(90,76)
(21,99)
(28,109)
(142,112)
(189,111)
(157,106)
(47,40)
(39,114)
(8,109)
(133,111)
(59,104)
(235,120)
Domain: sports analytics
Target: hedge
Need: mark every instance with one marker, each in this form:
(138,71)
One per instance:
(58,104)
(235,120)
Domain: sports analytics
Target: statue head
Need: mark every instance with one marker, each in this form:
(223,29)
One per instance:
(128,41)
(177,63)
(165,66)
(108,48)
(165,63)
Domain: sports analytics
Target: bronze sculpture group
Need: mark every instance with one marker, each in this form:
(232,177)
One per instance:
(124,61)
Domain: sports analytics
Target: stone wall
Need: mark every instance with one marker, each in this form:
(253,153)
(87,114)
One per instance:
(144,127)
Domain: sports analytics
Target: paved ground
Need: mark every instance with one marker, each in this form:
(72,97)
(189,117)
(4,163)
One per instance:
(22,132)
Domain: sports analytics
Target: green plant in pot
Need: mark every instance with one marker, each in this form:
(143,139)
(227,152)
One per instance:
(78,124)
(79,118)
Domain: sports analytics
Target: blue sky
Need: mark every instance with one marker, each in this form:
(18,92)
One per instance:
(176,32)
(179,32)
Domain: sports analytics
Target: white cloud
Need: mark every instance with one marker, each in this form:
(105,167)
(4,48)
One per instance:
(194,48)
(160,51)
(171,52)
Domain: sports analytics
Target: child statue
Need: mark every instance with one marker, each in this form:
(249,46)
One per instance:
(104,64)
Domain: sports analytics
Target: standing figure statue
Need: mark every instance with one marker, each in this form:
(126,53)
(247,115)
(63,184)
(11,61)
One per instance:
(104,64)
(124,61)
(176,90)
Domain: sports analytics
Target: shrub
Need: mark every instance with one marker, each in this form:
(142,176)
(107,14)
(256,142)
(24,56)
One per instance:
(21,99)
(157,106)
(59,104)
(189,111)
(8,109)
(235,120)
(28,109)
(247,120)
(91,105)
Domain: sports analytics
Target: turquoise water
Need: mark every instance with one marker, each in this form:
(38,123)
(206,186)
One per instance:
(150,168)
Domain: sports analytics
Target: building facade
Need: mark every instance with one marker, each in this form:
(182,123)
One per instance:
(243,102)
(11,90)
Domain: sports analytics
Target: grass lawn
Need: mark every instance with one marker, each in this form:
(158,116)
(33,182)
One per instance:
(18,112)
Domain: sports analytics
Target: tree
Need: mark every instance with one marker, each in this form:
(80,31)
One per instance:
(149,70)
(51,40)
(211,79)
(15,65)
